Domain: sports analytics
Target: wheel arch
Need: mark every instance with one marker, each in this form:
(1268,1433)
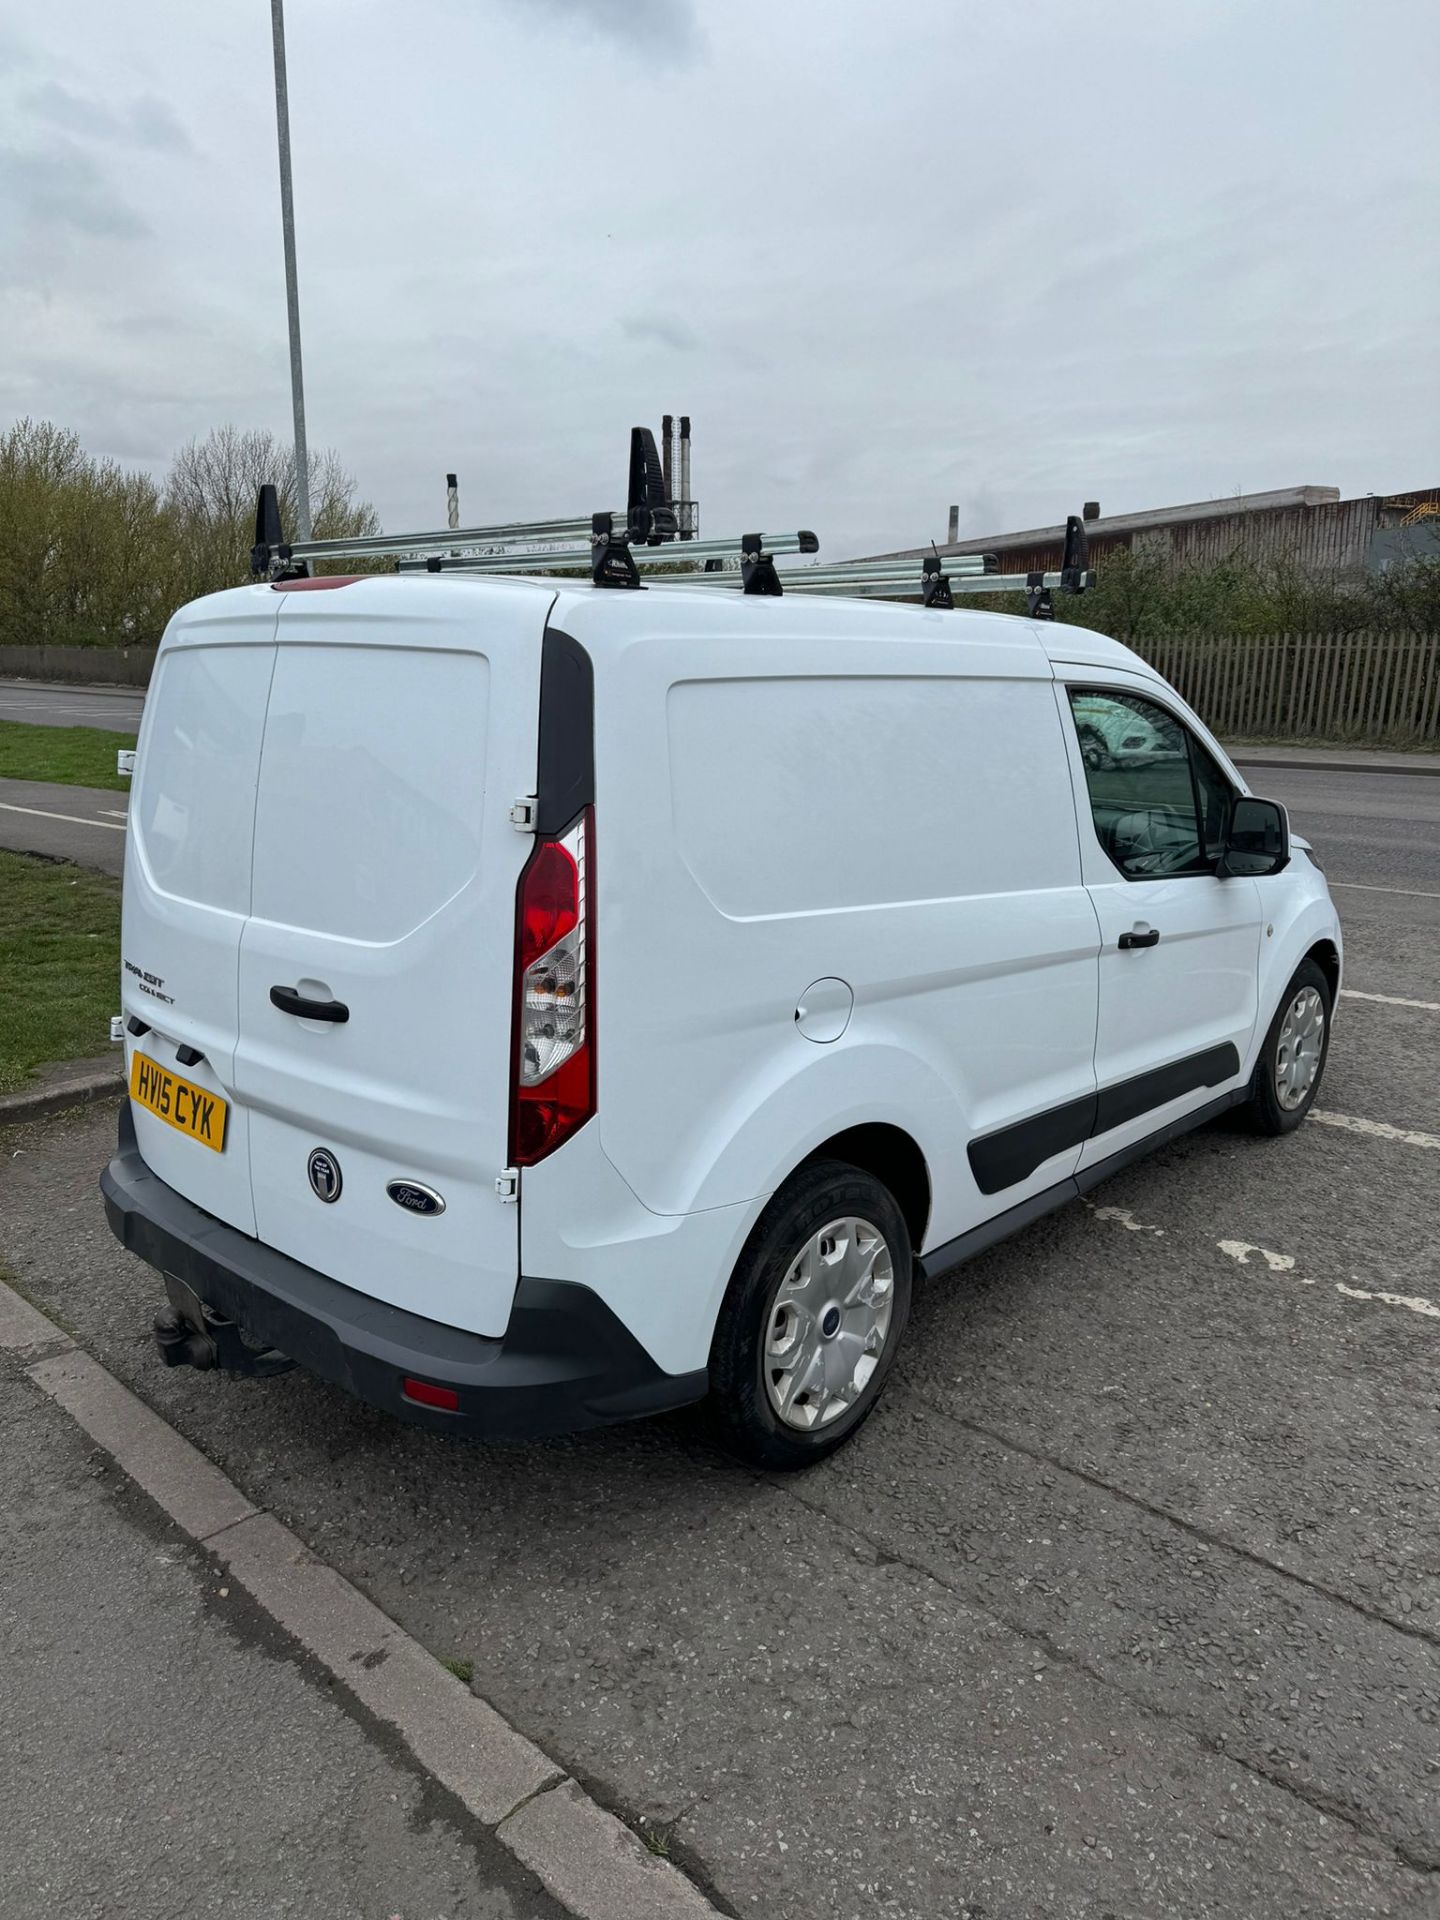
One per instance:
(891,1156)
(1326,956)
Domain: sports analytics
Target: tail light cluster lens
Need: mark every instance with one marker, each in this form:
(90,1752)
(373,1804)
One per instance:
(554,1083)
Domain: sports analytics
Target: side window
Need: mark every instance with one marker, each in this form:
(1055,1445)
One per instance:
(1146,806)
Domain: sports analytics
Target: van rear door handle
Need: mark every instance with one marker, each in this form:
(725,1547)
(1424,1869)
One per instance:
(1150,939)
(291,1000)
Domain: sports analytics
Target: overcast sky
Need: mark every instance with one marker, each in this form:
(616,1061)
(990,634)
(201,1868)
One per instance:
(886,253)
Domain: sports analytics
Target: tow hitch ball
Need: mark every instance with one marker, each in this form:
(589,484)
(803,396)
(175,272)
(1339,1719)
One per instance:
(190,1334)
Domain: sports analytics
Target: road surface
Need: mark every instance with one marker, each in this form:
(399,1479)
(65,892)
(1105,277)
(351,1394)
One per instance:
(84,824)
(50,703)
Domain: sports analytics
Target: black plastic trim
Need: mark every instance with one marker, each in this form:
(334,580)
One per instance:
(565,767)
(1131,1098)
(564,1362)
(989,1233)
(1003,1159)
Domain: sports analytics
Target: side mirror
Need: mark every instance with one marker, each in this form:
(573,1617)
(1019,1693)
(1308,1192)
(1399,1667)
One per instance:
(1258,840)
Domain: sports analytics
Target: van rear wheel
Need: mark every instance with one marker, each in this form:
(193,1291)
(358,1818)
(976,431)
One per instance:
(812,1319)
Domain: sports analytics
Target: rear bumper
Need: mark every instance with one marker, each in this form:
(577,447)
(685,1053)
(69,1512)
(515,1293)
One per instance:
(564,1362)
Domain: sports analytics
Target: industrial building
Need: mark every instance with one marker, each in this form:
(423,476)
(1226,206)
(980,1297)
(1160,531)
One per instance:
(1311,527)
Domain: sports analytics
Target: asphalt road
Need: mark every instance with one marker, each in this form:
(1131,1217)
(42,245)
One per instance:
(251,1790)
(84,824)
(1127,1600)
(49,703)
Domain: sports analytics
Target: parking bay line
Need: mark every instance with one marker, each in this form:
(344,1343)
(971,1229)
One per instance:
(1241,1250)
(1390,1000)
(1411,893)
(1376,1129)
(75,819)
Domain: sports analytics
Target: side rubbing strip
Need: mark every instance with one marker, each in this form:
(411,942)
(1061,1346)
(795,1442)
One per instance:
(1147,1090)
(1003,1159)
(565,771)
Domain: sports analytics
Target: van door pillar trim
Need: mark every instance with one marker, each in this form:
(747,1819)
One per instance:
(565,770)
(1003,1159)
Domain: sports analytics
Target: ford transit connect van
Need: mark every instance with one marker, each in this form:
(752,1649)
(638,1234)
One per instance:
(548,1006)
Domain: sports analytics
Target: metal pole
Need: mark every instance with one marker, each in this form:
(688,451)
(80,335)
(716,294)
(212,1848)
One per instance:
(452,502)
(292,295)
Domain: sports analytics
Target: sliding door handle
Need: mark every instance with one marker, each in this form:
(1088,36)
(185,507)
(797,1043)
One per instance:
(291,1000)
(1129,940)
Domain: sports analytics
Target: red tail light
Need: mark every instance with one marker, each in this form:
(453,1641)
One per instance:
(553,1081)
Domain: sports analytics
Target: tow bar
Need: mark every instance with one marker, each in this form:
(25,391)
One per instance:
(190,1334)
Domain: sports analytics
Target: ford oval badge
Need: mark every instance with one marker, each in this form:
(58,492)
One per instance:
(414,1198)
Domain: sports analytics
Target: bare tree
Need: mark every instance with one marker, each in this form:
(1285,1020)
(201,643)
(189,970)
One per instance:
(210,495)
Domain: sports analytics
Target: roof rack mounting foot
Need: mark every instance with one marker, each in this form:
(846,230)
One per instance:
(1037,594)
(934,583)
(757,568)
(611,562)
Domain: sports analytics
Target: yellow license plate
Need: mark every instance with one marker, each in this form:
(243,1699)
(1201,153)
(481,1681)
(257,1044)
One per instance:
(188,1109)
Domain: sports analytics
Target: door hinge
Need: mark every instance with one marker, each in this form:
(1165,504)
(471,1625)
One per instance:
(522,814)
(507,1185)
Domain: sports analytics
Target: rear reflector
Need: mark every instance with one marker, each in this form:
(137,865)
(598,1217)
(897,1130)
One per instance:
(426,1395)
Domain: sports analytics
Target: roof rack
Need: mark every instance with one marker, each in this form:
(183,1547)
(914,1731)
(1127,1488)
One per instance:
(621,548)
(942,579)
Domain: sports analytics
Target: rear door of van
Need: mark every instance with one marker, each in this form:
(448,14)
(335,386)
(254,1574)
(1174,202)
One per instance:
(401,728)
(187,893)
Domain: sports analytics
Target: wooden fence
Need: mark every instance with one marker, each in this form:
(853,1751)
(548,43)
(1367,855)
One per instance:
(1382,687)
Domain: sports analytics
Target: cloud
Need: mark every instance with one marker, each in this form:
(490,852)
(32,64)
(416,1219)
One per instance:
(661,29)
(60,187)
(664,329)
(146,121)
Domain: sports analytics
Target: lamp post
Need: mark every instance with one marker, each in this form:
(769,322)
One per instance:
(292,295)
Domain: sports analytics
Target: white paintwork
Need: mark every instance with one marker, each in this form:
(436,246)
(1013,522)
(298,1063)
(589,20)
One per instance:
(187,875)
(841,879)
(399,729)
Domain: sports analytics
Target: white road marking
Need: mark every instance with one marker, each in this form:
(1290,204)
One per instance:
(113,813)
(1390,1000)
(1377,1129)
(1414,1301)
(1411,893)
(1241,1250)
(75,819)
(1123,1217)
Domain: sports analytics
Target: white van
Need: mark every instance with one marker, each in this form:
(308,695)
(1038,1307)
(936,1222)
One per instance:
(550,1006)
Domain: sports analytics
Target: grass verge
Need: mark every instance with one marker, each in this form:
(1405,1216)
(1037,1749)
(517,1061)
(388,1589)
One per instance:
(59,963)
(70,756)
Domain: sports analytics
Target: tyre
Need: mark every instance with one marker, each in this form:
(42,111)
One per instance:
(1292,1060)
(815,1311)
(1093,750)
